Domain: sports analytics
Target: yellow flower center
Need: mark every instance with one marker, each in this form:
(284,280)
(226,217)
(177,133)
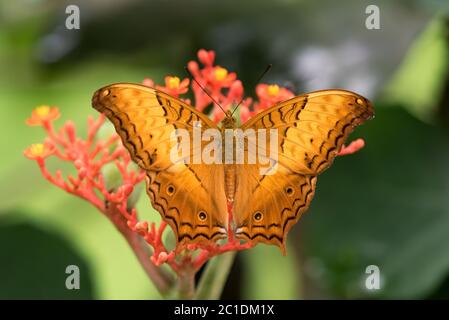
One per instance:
(220,73)
(173,83)
(273,90)
(42,111)
(37,149)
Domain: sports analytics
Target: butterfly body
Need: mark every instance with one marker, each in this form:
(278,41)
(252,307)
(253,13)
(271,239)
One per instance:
(193,197)
(228,123)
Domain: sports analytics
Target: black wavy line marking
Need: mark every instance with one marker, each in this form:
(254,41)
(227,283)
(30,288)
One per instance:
(270,119)
(157,204)
(141,142)
(286,110)
(152,193)
(127,138)
(262,235)
(188,224)
(159,100)
(294,202)
(200,234)
(263,122)
(340,136)
(284,133)
(304,203)
(150,158)
(168,216)
(287,221)
(284,210)
(189,120)
(181,110)
(273,225)
(131,123)
(174,222)
(303,105)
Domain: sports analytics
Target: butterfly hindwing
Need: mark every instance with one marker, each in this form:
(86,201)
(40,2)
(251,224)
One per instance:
(311,130)
(182,192)
(271,205)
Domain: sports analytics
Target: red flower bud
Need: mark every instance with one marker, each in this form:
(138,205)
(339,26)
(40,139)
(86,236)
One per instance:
(206,57)
(70,130)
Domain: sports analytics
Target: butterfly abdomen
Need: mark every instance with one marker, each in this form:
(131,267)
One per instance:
(230,181)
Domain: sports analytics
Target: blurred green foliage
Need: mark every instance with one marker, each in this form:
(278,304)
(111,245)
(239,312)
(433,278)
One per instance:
(392,203)
(387,205)
(418,82)
(37,263)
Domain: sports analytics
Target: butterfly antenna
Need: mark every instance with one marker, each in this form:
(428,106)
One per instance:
(258,80)
(204,89)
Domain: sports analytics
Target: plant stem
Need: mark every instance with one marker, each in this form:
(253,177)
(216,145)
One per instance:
(186,284)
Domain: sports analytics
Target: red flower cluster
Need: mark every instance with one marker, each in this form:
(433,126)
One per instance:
(91,156)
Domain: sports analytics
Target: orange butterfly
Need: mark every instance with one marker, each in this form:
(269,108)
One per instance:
(193,197)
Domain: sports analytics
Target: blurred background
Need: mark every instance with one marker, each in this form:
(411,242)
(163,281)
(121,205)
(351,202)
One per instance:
(387,205)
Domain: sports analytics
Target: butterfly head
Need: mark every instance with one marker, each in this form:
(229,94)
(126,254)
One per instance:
(229,121)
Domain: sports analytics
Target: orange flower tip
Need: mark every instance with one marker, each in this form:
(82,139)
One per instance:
(163,256)
(353,147)
(70,125)
(236,88)
(273,90)
(192,66)
(37,151)
(206,57)
(43,114)
(127,189)
(148,82)
(78,163)
(359,143)
(173,82)
(141,226)
(220,73)
(42,111)
(131,224)
(82,173)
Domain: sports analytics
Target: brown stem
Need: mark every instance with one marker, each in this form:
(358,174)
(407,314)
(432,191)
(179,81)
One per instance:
(161,279)
(186,284)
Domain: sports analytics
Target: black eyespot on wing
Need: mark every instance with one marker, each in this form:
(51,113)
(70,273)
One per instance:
(289,191)
(170,190)
(258,216)
(202,215)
